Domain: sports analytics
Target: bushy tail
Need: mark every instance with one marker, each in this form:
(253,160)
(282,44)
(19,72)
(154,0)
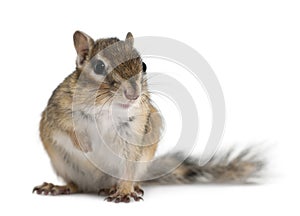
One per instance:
(244,167)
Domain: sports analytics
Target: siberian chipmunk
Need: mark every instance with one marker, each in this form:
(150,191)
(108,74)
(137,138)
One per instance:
(101,130)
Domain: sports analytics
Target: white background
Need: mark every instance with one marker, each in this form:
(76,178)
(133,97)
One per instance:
(253,47)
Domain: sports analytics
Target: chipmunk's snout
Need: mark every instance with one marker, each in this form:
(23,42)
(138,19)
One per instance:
(132,90)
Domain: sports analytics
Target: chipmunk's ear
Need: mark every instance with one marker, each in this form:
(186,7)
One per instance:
(129,39)
(83,45)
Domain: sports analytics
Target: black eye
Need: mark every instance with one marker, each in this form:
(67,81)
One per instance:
(99,67)
(144,67)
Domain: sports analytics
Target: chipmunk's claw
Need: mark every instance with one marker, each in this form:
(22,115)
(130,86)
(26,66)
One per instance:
(107,191)
(124,198)
(41,188)
(139,190)
(137,197)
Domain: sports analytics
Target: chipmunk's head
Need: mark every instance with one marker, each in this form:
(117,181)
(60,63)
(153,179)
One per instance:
(113,67)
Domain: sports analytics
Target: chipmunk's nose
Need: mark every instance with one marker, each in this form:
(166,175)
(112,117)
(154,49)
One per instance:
(132,91)
(131,95)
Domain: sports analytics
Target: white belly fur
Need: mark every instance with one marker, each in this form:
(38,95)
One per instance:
(83,168)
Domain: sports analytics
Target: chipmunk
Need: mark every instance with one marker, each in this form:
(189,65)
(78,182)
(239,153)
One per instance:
(101,118)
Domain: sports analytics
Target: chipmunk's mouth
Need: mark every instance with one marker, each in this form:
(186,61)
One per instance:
(124,106)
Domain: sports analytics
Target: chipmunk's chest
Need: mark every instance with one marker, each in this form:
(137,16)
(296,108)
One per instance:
(109,128)
(112,137)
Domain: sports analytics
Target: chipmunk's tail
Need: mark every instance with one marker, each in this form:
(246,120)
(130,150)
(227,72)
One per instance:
(244,167)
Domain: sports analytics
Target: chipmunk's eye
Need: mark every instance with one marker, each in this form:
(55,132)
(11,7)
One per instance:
(99,67)
(144,67)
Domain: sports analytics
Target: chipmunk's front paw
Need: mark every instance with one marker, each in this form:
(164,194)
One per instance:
(107,191)
(119,196)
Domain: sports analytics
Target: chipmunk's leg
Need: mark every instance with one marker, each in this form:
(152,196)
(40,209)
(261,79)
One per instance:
(125,187)
(130,189)
(51,189)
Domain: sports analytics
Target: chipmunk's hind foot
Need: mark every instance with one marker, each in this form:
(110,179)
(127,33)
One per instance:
(51,189)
